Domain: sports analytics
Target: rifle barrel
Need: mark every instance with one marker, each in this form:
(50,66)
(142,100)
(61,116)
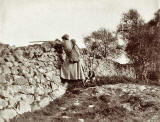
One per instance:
(38,41)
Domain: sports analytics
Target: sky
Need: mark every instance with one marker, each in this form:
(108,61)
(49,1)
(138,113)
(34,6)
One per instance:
(22,21)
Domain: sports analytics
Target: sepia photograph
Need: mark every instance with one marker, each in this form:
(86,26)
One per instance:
(79,60)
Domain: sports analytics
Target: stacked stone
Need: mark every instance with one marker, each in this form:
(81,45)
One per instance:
(126,70)
(107,67)
(29,79)
(29,76)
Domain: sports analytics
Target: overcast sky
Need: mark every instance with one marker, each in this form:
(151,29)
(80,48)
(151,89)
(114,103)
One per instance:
(22,21)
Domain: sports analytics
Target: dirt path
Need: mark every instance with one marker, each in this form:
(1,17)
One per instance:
(118,103)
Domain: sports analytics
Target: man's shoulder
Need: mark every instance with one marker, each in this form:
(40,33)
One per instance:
(73,42)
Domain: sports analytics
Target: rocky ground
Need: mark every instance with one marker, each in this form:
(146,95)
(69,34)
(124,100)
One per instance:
(29,76)
(107,103)
(29,80)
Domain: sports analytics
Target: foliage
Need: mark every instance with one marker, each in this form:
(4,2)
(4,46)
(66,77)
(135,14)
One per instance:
(102,43)
(143,40)
(129,24)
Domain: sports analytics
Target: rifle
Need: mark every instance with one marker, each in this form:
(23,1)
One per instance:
(39,41)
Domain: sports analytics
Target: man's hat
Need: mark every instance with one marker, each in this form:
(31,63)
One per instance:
(65,37)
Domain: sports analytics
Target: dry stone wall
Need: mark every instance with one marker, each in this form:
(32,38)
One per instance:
(29,78)
(106,67)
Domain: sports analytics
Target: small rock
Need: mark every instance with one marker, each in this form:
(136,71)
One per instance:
(76,103)
(40,77)
(3,103)
(35,107)
(14,100)
(54,86)
(20,80)
(49,75)
(2,61)
(11,58)
(32,81)
(37,79)
(56,79)
(28,98)
(91,106)
(4,93)
(81,120)
(23,107)
(15,64)
(49,68)
(27,75)
(2,79)
(41,70)
(12,89)
(57,72)
(27,89)
(18,52)
(7,114)
(1,70)
(21,59)
(9,64)
(1,120)
(46,47)
(127,106)
(9,79)
(41,64)
(62,108)
(31,54)
(24,69)
(27,63)
(142,88)
(6,69)
(58,93)
(39,90)
(44,102)
(47,90)
(31,71)
(14,70)
(66,117)
(37,97)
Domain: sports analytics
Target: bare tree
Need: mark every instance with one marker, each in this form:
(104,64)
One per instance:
(102,43)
